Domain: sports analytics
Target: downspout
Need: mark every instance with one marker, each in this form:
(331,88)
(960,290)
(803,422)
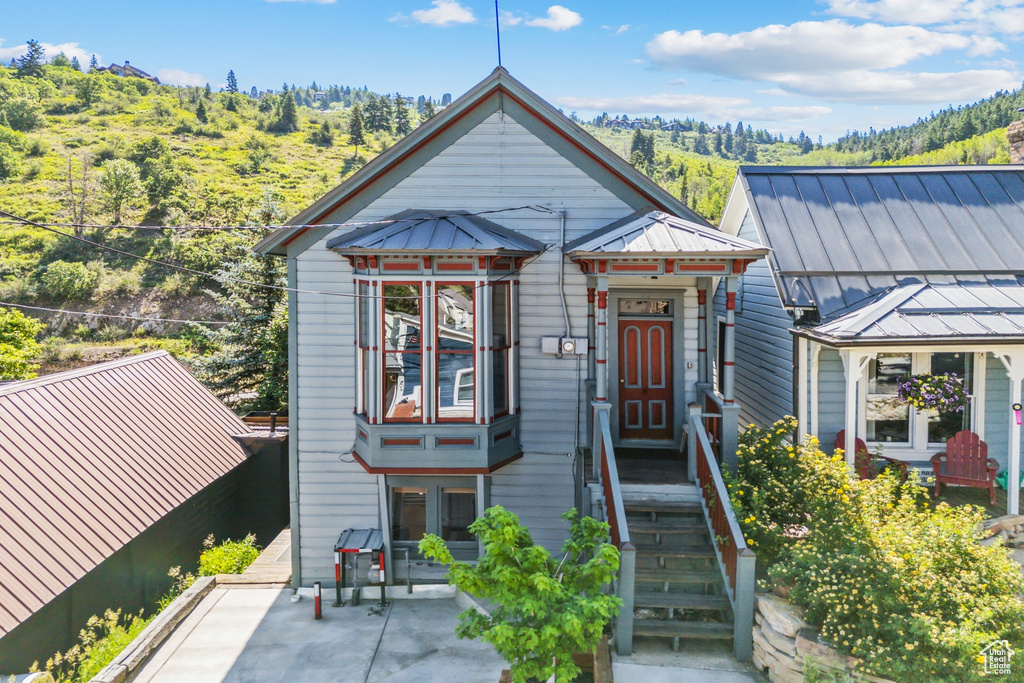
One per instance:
(561,272)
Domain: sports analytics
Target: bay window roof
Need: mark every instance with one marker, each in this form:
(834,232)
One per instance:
(427,232)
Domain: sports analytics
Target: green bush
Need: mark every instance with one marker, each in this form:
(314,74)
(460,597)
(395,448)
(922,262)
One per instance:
(10,162)
(69,280)
(102,639)
(116,282)
(230,557)
(888,579)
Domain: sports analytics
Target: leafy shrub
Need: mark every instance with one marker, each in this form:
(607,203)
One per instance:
(18,345)
(903,586)
(10,162)
(17,289)
(22,113)
(230,557)
(38,147)
(115,282)
(112,333)
(102,639)
(69,280)
(546,609)
(766,488)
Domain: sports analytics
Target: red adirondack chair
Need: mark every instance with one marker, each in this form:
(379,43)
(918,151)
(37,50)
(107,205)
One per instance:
(863,460)
(966,463)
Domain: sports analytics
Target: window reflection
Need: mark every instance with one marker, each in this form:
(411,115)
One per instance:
(888,417)
(943,426)
(408,513)
(458,510)
(403,360)
(455,359)
(402,386)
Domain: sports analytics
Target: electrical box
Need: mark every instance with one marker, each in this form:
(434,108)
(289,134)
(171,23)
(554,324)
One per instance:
(567,346)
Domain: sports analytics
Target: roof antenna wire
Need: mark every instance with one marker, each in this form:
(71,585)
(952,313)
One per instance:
(497,30)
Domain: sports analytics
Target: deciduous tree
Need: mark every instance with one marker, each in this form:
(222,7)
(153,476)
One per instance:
(18,345)
(121,186)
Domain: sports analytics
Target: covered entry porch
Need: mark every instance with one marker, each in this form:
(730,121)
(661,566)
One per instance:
(650,282)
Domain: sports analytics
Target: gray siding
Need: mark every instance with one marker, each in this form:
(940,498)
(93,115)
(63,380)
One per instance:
(997,409)
(831,396)
(764,346)
(496,165)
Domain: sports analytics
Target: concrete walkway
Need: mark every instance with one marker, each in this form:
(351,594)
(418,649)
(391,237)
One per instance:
(242,635)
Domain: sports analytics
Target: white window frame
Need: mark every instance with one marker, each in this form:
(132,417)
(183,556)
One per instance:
(919,445)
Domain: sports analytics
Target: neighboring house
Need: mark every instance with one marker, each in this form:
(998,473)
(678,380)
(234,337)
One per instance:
(440,322)
(128,71)
(110,475)
(877,273)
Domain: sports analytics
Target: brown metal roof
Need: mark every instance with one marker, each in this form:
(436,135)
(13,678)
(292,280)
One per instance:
(91,458)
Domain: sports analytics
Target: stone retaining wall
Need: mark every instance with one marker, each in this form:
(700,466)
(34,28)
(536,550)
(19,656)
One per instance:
(784,644)
(1015,136)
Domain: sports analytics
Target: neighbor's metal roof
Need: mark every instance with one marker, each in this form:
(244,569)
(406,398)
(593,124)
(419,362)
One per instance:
(90,458)
(657,232)
(841,235)
(435,231)
(930,312)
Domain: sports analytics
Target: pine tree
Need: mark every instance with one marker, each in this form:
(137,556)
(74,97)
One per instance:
(60,60)
(322,135)
(207,91)
(93,63)
(254,93)
(201,112)
(356,137)
(75,64)
(700,144)
(403,117)
(232,81)
(446,99)
(718,144)
(31,63)
(420,102)
(375,120)
(429,110)
(288,119)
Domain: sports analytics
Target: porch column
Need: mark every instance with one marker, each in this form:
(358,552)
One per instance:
(814,399)
(802,376)
(854,363)
(591,325)
(1014,362)
(730,411)
(601,339)
(702,333)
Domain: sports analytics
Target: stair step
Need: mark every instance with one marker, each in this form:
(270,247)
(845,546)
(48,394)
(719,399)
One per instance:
(651,598)
(658,550)
(668,526)
(662,574)
(682,629)
(662,506)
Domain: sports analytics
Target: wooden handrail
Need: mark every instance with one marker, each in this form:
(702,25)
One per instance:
(735,559)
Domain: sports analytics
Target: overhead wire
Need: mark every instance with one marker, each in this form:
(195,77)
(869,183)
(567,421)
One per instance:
(111,315)
(226,278)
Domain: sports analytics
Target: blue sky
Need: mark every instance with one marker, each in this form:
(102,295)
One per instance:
(821,66)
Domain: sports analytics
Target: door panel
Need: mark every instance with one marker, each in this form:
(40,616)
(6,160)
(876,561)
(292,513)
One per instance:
(645,379)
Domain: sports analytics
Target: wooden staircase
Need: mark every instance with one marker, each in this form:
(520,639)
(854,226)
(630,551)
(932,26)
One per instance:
(678,587)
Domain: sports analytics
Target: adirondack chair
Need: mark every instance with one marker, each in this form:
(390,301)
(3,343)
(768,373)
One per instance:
(863,461)
(966,463)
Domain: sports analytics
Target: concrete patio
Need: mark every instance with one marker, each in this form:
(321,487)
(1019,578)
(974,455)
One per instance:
(249,635)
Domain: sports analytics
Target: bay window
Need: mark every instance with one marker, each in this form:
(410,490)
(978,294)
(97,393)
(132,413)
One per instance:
(890,422)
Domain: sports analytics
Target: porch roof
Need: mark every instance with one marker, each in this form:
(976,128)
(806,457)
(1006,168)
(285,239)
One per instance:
(656,233)
(435,232)
(929,312)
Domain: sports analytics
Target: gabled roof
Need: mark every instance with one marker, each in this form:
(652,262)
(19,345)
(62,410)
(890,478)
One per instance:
(932,312)
(659,233)
(841,235)
(435,231)
(498,89)
(91,458)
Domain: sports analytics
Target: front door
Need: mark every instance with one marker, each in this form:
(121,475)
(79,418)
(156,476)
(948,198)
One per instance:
(645,379)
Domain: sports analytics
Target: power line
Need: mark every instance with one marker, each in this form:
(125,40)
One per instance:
(227,278)
(110,315)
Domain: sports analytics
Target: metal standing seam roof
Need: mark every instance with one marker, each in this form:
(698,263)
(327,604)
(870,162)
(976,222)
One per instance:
(436,231)
(657,232)
(933,312)
(91,458)
(841,235)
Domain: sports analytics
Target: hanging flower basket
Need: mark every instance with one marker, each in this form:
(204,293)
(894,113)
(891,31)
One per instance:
(939,393)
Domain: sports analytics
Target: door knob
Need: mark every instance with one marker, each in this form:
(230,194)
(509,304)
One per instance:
(622,381)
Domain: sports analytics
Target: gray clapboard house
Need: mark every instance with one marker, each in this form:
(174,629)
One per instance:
(469,310)
(875,274)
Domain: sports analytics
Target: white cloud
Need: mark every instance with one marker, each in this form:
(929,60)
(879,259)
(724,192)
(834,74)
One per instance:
(558,19)
(724,108)
(444,13)
(509,19)
(678,82)
(619,30)
(805,58)
(180,77)
(70,49)
(999,16)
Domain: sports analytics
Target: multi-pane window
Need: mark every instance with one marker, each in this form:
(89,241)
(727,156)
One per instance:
(434,505)
(501,342)
(402,349)
(889,420)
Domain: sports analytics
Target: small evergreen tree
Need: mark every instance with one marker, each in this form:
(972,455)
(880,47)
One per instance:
(403,117)
(30,64)
(232,82)
(322,135)
(60,60)
(75,64)
(356,136)
(88,90)
(207,91)
(254,93)
(288,118)
(429,110)
(93,63)
(201,112)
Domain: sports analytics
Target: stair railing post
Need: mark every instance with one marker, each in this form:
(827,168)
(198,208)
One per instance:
(743,611)
(694,423)
(627,584)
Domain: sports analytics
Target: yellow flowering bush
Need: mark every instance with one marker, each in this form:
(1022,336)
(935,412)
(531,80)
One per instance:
(902,586)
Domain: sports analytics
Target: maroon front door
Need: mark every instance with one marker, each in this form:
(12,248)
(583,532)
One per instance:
(645,379)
